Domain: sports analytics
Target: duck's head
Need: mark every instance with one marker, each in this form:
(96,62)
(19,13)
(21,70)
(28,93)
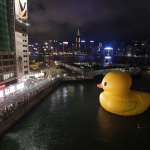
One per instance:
(115,82)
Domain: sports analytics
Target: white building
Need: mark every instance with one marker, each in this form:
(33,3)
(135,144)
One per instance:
(14,58)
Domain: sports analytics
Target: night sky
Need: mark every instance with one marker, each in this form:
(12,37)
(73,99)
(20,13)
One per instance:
(99,20)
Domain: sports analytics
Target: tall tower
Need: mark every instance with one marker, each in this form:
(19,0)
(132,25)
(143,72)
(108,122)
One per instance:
(7,45)
(51,46)
(21,39)
(14,59)
(55,46)
(78,41)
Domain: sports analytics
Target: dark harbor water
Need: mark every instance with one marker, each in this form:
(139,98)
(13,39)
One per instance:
(71,118)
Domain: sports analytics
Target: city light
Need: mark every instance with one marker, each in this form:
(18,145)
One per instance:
(108,51)
(129,54)
(65,42)
(9,90)
(20,86)
(108,48)
(2,86)
(108,57)
(20,21)
(27,24)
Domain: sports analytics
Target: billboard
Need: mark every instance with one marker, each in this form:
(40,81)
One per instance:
(9,90)
(1,94)
(20,86)
(21,11)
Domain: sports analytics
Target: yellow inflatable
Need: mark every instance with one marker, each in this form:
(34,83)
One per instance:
(117,97)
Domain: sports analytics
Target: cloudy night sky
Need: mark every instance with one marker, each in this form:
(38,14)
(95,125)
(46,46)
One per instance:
(99,20)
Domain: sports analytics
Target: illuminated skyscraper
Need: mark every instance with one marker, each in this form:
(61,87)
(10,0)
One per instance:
(108,51)
(83,47)
(53,46)
(78,41)
(65,47)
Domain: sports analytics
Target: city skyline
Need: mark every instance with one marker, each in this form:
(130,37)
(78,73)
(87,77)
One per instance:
(99,20)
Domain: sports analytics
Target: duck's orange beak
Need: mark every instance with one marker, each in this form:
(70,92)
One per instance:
(99,85)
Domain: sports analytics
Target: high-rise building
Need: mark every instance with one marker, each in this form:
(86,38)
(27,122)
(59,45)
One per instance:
(14,58)
(21,38)
(147,46)
(65,47)
(129,50)
(35,48)
(100,49)
(53,46)
(91,47)
(83,47)
(78,41)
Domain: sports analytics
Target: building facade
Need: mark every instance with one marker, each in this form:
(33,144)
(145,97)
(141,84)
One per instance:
(14,58)
(53,46)
(78,41)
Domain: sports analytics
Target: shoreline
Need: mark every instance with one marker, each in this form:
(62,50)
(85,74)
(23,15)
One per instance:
(23,108)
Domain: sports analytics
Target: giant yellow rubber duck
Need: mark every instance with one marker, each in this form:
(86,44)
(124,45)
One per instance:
(117,97)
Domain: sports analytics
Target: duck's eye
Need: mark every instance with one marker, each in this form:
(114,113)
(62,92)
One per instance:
(105,83)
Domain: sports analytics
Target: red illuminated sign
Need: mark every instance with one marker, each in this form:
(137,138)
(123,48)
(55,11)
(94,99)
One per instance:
(2,86)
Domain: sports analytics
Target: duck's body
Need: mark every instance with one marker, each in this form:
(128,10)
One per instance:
(122,100)
(127,104)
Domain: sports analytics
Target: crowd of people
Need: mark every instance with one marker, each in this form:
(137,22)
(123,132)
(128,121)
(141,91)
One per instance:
(18,104)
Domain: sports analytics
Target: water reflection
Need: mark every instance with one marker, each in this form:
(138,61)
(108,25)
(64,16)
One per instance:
(118,132)
(65,91)
(71,118)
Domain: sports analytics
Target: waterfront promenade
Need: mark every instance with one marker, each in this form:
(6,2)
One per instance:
(22,93)
(16,106)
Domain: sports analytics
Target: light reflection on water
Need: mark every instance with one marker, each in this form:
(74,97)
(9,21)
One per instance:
(71,118)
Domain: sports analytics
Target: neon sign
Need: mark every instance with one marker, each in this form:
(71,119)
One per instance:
(2,86)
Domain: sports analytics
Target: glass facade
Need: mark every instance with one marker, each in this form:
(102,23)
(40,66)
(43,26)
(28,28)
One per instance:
(4,34)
